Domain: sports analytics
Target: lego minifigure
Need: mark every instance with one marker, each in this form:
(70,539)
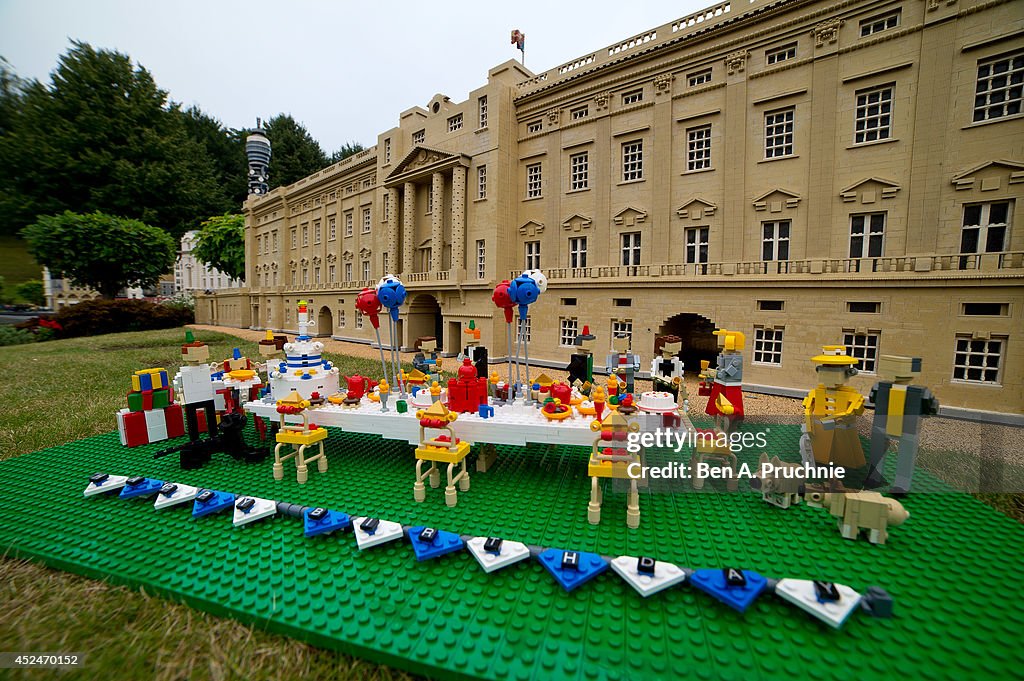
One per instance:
(725,402)
(831,411)
(581,363)
(667,367)
(623,363)
(197,387)
(426,359)
(899,407)
(474,351)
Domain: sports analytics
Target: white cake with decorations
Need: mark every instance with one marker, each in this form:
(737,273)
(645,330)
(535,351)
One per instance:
(657,402)
(304,368)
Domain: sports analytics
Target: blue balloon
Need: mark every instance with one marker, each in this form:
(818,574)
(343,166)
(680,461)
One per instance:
(523,291)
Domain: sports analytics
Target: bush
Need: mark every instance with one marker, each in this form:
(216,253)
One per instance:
(95,317)
(12,336)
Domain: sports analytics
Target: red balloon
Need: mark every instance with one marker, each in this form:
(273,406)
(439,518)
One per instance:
(368,303)
(503,300)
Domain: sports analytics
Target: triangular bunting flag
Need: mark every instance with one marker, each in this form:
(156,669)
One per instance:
(428,542)
(250,509)
(493,553)
(139,486)
(734,587)
(374,532)
(173,493)
(646,575)
(572,568)
(211,501)
(321,521)
(829,602)
(101,483)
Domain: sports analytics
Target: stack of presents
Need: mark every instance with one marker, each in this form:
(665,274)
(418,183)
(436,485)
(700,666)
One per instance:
(152,414)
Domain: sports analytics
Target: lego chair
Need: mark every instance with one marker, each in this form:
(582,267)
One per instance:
(610,459)
(442,448)
(299,437)
(709,450)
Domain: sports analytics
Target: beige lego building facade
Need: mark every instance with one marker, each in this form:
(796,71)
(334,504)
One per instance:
(804,172)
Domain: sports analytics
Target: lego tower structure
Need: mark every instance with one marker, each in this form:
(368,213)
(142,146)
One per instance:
(257,150)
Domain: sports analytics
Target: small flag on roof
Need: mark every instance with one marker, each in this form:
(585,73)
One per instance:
(519,40)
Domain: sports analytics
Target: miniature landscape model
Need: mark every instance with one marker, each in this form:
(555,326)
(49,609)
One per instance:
(757,413)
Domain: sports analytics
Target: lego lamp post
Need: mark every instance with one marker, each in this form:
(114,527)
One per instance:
(391,294)
(369,305)
(524,291)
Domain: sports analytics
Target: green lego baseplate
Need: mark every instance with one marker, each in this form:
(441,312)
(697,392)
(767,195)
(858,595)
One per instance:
(949,568)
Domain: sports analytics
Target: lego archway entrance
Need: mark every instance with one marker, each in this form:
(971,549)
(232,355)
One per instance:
(325,322)
(424,319)
(699,340)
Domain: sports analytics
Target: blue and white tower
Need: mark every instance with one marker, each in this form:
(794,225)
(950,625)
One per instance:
(257,150)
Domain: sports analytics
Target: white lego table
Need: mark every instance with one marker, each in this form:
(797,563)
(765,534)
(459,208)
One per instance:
(510,425)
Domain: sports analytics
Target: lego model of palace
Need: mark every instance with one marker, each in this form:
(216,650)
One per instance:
(304,370)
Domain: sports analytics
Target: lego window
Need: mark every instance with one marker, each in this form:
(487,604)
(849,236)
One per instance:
(430,199)
(771,305)
(295,241)
(873,117)
(348,223)
(775,240)
(481,259)
(778,133)
(386,207)
(481,110)
(877,24)
(419,137)
(332,229)
(579,113)
(533,181)
(481,182)
(305,235)
(367,221)
(534,127)
(532,255)
(696,245)
(867,231)
(698,148)
(768,346)
(331,273)
(632,97)
(631,248)
(632,161)
(985,309)
(359,319)
(455,123)
(387,151)
(698,77)
(864,348)
(523,329)
(341,318)
(985,227)
(579,171)
(348,271)
(366,270)
(623,327)
(578,252)
(780,54)
(316,275)
(998,91)
(316,232)
(978,360)
(567,331)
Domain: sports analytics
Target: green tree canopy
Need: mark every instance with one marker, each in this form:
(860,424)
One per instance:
(102,137)
(295,153)
(221,244)
(101,251)
(347,149)
(226,149)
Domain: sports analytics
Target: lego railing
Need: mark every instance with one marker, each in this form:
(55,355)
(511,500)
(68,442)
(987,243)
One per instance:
(912,265)
(691,23)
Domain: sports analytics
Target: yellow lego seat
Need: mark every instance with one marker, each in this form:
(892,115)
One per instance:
(298,437)
(444,449)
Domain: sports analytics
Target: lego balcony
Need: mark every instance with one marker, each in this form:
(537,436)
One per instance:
(965,265)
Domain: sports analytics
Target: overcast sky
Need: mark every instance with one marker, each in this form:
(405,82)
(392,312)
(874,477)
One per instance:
(344,69)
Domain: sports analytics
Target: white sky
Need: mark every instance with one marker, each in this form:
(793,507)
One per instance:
(344,69)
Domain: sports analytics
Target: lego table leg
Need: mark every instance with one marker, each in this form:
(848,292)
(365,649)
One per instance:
(435,475)
(302,473)
(733,482)
(463,478)
(278,466)
(633,506)
(321,462)
(451,497)
(485,458)
(695,460)
(419,492)
(594,507)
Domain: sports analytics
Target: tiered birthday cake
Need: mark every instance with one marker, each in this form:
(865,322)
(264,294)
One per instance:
(304,369)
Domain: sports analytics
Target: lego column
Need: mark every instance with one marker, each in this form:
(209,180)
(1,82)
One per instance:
(437,223)
(392,198)
(459,219)
(408,227)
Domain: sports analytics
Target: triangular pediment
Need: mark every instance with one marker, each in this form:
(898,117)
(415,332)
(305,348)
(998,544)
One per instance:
(989,175)
(364,253)
(421,157)
(629,216)
(425,243)
(775,200)
(870,190)
(576,222)
(696,208)
(531,228)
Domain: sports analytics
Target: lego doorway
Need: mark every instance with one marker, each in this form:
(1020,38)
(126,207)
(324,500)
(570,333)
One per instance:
(699,340)
(325,322)
(454,339)
(425,319)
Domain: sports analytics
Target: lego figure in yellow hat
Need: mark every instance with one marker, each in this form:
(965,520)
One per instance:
(831,411)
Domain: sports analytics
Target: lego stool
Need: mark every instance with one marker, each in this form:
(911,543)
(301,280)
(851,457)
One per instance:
(610,459)
(444,449)
(299,436)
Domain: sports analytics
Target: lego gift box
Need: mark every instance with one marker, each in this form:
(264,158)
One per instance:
(149,379)
(144,427)
(150,399)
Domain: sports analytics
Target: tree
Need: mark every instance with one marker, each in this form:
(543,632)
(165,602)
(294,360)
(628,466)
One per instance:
(102,137)
(346,150)
(295,153)
(101,251)
(221,244)
(31,292)
(226,149)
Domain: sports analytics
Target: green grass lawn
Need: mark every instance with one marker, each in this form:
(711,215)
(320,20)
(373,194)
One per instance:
(66,390)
